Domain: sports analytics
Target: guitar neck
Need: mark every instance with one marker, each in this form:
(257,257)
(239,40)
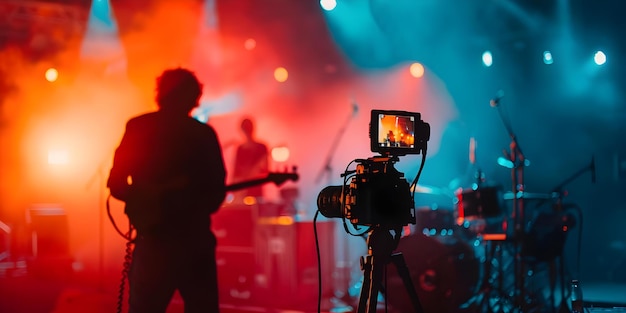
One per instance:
(246,184)
(276,178)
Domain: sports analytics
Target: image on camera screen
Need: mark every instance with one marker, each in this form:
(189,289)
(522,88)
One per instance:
(396,131)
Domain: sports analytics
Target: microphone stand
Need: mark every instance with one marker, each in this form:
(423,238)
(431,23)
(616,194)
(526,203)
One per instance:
(590,167)
(563,307)
(98,176)
(327,168)
(518,161)
(327,171)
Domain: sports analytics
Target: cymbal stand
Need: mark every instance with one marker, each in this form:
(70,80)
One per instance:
(558,206)
(492,276)
(518,162)
(380,252)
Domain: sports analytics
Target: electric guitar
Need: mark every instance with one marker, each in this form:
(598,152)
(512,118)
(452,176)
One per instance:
(274,177)
(142,209)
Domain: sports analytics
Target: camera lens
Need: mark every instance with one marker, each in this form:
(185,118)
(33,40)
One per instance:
(329,201)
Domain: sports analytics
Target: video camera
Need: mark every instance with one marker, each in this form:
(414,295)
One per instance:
(378,194)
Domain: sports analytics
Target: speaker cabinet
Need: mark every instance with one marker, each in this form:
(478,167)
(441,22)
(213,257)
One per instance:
(286,262)
(234,225)
(50,250)
(235,270)
(49,230)
(266,260)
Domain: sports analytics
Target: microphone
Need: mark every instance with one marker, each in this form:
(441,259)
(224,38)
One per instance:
(355,107)
(593,169)
(496,100)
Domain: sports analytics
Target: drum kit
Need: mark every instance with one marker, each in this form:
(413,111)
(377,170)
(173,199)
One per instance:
(465,255)
(486,249)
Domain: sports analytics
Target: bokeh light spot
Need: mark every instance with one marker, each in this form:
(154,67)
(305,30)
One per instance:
(599,58)
(249,44)
(547,57)
(328,5)
(281,74)
(417,70)
(280,154)
(52,74)
(487,58)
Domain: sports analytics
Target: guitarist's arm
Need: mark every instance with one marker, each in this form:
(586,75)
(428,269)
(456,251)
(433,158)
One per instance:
(211,171)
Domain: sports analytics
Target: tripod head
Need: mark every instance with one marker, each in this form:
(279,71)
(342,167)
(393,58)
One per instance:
(383,241)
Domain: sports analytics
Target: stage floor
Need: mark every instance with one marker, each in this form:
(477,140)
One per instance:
(24,293)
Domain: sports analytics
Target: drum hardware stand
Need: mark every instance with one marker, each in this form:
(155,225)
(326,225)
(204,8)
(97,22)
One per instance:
(563,307)
(518,161)
(380,252)
(485,289)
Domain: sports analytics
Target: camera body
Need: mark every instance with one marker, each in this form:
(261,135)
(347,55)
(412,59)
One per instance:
(378,194)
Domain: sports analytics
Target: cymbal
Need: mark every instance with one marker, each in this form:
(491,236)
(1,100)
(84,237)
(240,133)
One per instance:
(432,190)
(529,195)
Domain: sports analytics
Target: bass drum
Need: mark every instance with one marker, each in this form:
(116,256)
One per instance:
(445,275)
(434,222)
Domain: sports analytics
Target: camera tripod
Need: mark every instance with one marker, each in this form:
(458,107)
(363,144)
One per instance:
(381,244)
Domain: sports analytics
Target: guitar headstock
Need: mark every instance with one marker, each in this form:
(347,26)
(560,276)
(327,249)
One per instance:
(280,178)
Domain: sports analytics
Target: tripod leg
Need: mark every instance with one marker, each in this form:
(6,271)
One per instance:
(371,280)
(403,271)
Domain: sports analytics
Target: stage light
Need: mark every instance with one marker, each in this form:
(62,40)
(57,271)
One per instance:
(599,57)
(417,70)
(487,58)
(101,40)
(58,157)
(328,5)
(547,57)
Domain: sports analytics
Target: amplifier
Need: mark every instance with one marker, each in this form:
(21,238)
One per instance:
(269,260)
(233,225)
(50,231)
(235,273)
(286,262)
(50,248)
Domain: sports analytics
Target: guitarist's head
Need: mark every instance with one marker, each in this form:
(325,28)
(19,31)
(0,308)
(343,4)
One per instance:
(178,90)
(247,127)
